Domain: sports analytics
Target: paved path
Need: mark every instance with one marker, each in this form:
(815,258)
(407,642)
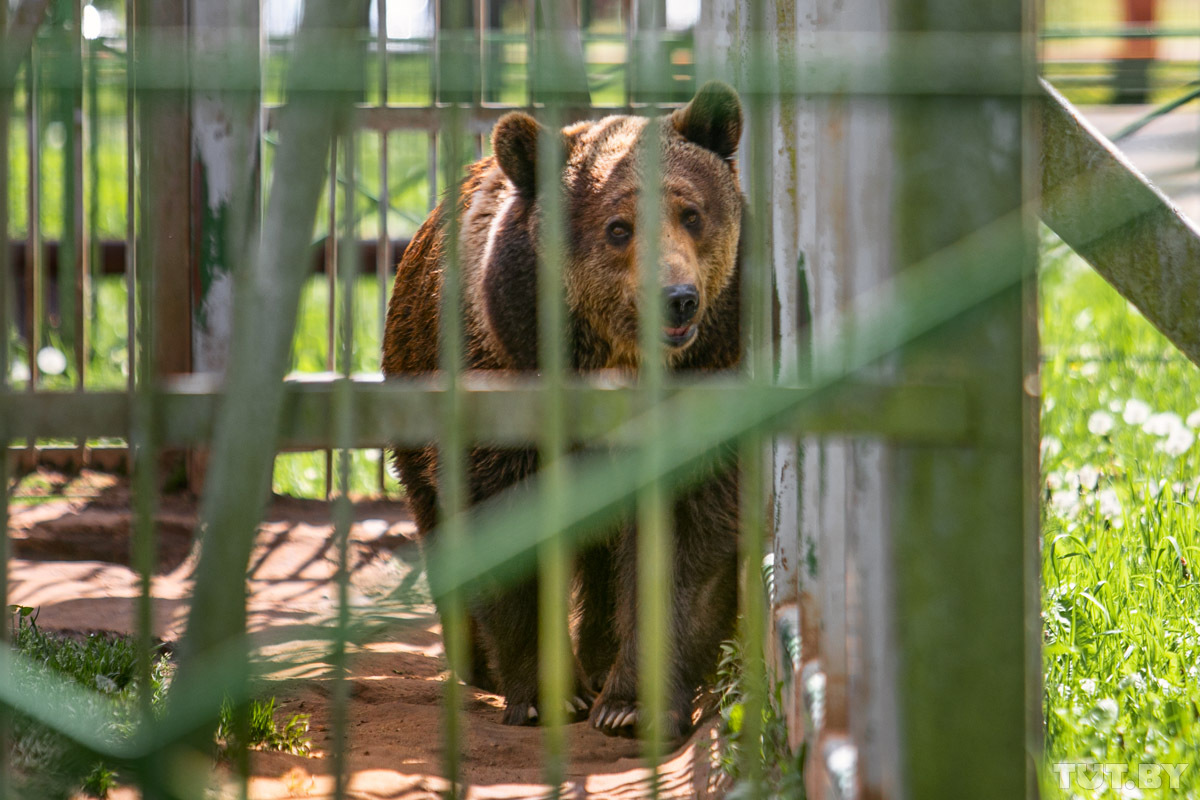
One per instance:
(1167,151)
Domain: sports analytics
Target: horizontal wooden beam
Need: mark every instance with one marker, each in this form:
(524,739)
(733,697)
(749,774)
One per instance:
(500,412)
(111,259)
(1108,213)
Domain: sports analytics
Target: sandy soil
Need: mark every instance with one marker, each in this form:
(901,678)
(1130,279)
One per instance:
(71,562)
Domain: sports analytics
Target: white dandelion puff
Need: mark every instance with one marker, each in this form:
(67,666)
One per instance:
(1065,502)
(51,361)
(19,371)
(1110,504)
(1193,419)
(1089,477)
(1162,424)
(1136,412)
(1100,423)
(1178,442)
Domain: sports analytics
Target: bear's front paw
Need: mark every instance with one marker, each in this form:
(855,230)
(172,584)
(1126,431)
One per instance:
(623,718)
(520,714)
(527,713)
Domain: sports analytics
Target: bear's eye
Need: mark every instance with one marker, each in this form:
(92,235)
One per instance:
(690,219)
(619,232)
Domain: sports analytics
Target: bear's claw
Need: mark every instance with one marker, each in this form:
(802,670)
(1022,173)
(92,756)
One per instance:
(577,709)
(619,721)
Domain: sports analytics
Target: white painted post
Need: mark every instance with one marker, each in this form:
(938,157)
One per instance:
(225,148)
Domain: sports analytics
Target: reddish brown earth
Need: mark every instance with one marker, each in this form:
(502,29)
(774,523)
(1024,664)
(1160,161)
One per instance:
(71,563)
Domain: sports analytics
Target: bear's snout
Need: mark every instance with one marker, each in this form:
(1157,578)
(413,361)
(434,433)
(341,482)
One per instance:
(681,300)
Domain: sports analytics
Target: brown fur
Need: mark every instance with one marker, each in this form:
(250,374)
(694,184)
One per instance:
(701,216)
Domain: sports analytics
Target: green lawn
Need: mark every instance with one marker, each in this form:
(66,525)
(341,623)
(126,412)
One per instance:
(1121,601)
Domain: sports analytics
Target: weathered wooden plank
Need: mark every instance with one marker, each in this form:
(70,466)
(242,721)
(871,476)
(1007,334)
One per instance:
(959,516)
(499,412)
(1130,233)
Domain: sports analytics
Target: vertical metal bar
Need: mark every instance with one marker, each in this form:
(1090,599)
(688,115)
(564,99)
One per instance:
(531,35)
(343,510)
(432,161)
(80,247)
(5,459)
(758,349)
(456,83)
(383,250)
(144,445)
(6,274)
(554,557)
(92,145)
(6,299)
(331,286)
(632,11)
(34,279)
(479,15)
(654,548)
(132,357)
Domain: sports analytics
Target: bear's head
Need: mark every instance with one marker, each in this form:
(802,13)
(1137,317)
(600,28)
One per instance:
(700,221)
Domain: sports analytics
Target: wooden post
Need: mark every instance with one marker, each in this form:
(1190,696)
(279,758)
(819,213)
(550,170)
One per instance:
(164,138)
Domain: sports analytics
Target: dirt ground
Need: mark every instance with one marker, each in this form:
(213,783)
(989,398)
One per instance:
(71,562)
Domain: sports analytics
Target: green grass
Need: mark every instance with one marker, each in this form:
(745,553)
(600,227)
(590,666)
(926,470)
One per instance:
(1121,536)
(782,769)
(47,766)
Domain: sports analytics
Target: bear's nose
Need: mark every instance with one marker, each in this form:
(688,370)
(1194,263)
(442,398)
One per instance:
(682,300)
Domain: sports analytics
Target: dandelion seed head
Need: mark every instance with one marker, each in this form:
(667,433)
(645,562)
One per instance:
(1100,423)
(1162,424)
(51,361)
(1136,412)
(1178,442)
(1089,477)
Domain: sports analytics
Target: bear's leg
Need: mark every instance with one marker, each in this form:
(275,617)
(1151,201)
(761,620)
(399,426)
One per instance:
(597,607)
(415,466)
(615,711)
(508,624)
(703,610)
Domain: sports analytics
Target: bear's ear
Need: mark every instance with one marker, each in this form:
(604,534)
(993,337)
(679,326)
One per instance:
(713,119)
(515,143)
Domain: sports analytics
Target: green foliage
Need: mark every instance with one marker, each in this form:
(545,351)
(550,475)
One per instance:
(1121,537)
(262,732)
(783,770)
(48,766)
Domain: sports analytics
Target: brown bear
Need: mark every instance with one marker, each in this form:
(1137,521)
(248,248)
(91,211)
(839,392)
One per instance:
(699,270)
